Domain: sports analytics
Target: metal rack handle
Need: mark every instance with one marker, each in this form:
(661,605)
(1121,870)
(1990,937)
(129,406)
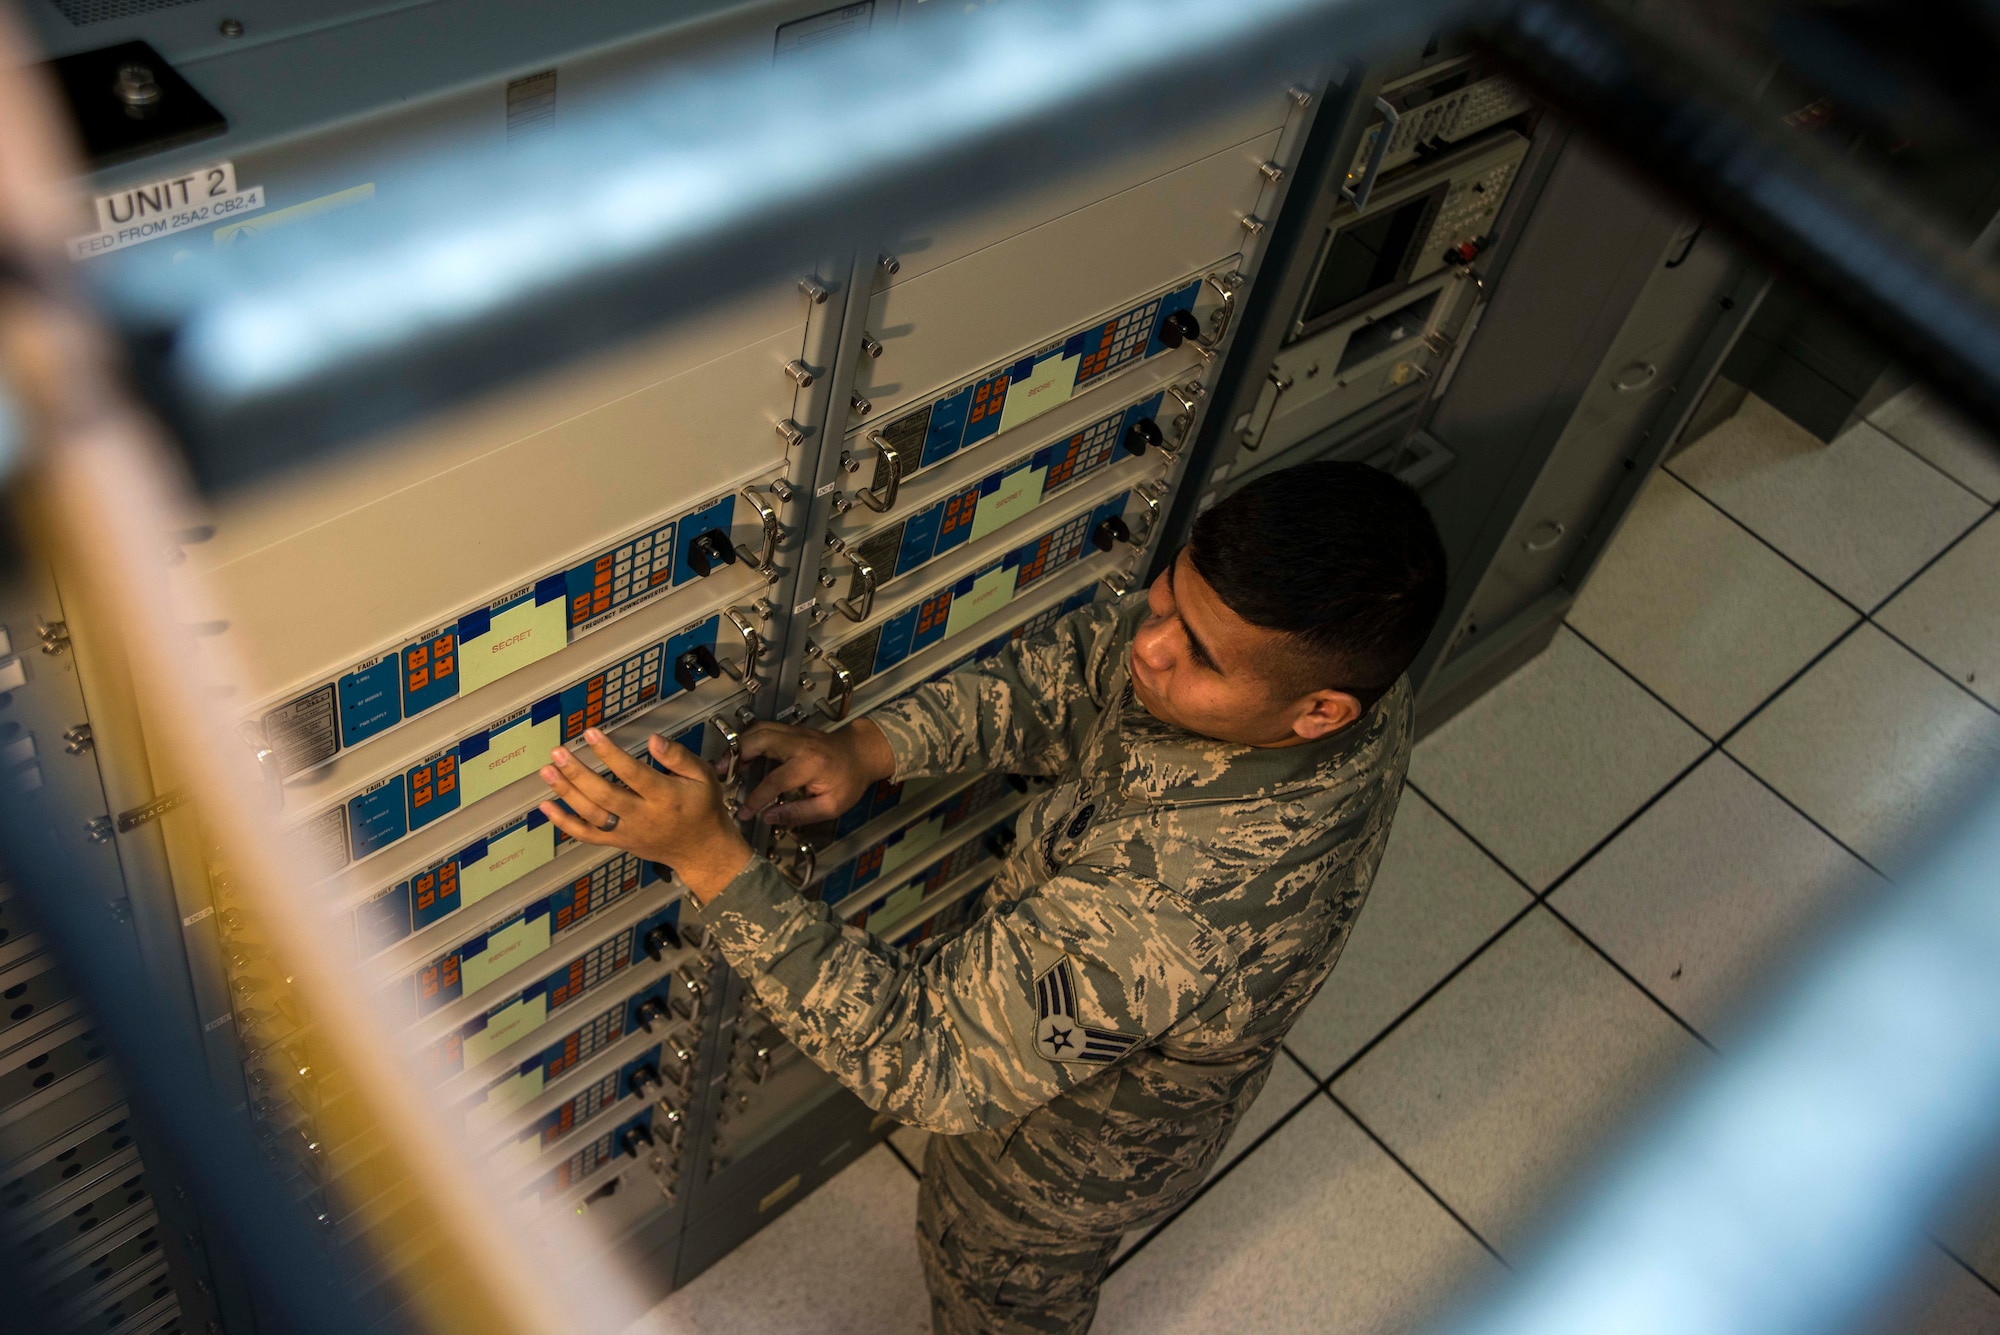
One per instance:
(893,457)
(734,741)
(1280,384)
(866,574)
(811,855)
(774,533)
(753,649)
(1358,195)
(843,680)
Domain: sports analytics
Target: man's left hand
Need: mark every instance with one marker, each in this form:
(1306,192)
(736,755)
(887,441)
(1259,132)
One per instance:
(679,817)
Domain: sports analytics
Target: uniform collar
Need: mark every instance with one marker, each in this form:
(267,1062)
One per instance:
(1162,765)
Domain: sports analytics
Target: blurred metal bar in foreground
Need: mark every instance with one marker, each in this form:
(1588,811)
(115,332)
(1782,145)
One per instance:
(682,197)
(1823,218)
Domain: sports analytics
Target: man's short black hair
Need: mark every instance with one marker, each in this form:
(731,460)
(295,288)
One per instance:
(1342,557)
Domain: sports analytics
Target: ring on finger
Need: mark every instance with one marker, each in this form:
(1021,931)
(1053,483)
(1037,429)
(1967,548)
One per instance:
(610,822)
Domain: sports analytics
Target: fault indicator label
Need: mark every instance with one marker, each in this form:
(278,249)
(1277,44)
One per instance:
(147,212)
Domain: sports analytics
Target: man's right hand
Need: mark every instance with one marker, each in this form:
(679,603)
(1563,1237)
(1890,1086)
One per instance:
(825,772)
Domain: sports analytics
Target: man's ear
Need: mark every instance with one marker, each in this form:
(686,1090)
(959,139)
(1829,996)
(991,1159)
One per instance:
(1325,712)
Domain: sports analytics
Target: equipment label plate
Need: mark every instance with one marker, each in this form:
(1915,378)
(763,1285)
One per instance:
(160,208)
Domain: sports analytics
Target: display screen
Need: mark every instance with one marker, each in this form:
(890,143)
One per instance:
(1364,256)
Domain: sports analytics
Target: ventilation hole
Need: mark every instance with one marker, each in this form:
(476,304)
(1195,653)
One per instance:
(45,1079)
(86,1226)
(121,1142)
(68,1154)
(117,1318)
(3,935)
(82,12)
(102,1275)
(134,1197)
(83,1209)
(150,1245)
(37,1063)
(92,1054)
(115,1127)
(131,1181)
(72,1171)
(161,1291)
(14,991)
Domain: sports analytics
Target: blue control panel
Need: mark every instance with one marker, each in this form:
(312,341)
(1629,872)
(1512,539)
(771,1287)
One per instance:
(559,1123)
(542,924)
(926,622)
(1034,625)
(934,876)
(528,841)
(971,412)
(581,1043)
(511,747)
(520,1014)
(425,671)
(590,1157)
(865,867)
(945,524)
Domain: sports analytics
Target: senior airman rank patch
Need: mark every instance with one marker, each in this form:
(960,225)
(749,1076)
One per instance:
(1060,1034)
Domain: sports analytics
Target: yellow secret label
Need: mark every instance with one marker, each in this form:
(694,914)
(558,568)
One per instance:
(990,592)
(512,753)
(916,841)
(524,633)
(1047,387)
(516,1022)
(897,905)
(514,1092)
(518,1155)
(1020,492)
(506,948)
(507,860)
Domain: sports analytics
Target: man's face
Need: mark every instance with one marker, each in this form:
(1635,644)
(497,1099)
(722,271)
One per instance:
(1196,664)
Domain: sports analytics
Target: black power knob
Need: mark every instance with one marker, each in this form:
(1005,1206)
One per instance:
(634,1139)
(660,939)
(645,1080)
(1109,531)
(1141,434)
(650,1013)
(696,665)
(708,550)
(1177,327)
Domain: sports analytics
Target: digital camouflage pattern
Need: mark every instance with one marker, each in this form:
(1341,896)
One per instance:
(1085,1045)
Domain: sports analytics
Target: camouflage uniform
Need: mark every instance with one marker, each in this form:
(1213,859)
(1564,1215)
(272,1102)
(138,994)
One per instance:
(1086,1044)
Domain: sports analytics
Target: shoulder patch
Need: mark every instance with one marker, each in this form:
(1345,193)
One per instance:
(1060,1034)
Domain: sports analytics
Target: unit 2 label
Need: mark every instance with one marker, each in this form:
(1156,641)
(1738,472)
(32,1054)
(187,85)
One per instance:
(160,208)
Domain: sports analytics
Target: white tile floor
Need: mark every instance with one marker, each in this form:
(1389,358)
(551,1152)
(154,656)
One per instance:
(1784,668)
